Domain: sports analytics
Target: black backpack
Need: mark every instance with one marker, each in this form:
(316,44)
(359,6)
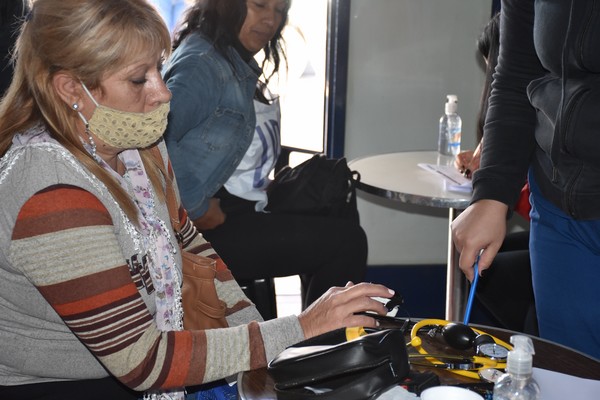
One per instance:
(318,186)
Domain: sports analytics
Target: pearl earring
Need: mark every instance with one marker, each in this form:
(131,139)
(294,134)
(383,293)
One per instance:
(87,131)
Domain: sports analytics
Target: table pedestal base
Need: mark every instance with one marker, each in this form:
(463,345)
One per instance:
(456,283)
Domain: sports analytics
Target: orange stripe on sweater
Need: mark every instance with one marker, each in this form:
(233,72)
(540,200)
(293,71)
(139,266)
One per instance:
(57,209)
(181,362)
(58,199)
(221,267)
(97,301)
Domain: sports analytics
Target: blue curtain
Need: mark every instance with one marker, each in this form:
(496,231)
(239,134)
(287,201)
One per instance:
(170,10)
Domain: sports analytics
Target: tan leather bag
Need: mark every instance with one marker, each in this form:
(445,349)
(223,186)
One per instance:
(202,308)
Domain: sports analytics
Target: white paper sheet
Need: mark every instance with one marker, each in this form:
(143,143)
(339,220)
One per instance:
(557,386)
(456,182)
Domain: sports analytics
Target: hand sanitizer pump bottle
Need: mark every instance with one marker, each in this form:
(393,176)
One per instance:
(518,383)
(450,128)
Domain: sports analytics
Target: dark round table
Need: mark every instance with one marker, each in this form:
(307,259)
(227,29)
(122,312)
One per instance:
(258,384)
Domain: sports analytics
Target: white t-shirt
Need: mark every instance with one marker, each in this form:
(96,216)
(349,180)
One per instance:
(251,177)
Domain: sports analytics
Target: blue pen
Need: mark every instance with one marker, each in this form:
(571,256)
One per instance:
(473,288)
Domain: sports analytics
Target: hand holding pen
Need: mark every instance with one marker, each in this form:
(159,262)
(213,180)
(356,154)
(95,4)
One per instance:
(467,162)
(463,161)
(482,225)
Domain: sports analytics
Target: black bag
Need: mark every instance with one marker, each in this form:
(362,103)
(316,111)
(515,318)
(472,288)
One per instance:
(318,186)
(324,368)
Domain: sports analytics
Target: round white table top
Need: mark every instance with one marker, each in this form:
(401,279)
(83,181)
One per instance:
(397,176)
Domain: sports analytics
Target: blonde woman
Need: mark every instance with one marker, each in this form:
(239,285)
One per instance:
(89,267)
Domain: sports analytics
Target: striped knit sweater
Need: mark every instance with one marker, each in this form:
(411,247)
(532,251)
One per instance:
(69,308)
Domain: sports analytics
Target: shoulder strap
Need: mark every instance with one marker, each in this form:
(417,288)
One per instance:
(170,195)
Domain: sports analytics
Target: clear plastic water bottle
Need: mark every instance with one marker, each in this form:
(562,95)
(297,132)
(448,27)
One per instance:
(518,383)
(450,128)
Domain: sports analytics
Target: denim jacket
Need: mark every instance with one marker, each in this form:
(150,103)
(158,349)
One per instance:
(212,118)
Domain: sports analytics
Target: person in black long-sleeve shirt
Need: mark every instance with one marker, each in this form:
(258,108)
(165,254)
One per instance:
(511,266)
(542,124)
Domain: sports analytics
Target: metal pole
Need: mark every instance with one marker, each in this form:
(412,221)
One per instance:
(456,283)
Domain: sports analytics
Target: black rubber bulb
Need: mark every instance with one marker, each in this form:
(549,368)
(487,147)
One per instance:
(458,336)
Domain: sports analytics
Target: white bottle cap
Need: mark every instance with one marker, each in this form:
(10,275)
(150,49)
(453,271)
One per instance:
(451,104)
(520,359)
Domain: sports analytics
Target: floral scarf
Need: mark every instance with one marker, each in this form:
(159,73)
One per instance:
(159,246)
(160,249)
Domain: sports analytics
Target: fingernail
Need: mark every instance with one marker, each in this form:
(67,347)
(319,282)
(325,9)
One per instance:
(391,291)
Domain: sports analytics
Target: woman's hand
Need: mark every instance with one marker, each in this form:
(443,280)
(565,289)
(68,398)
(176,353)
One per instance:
(468,161)
(481,226)
(462,160)
(212,218)
(336,308)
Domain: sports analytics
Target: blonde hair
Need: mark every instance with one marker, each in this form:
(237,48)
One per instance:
(89,39)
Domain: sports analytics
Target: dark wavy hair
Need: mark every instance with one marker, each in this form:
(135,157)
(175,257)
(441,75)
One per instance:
(221,22)
(488,45)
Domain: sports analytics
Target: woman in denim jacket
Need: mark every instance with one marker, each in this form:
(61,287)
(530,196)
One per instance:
(216,99)
(212,116)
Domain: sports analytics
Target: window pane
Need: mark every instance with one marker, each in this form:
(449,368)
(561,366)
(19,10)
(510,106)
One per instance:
(301,83)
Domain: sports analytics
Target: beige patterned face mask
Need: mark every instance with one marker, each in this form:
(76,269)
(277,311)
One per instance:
(127,130)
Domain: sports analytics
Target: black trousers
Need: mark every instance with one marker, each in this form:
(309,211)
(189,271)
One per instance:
(506,290)
(88,389)
(326,251)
